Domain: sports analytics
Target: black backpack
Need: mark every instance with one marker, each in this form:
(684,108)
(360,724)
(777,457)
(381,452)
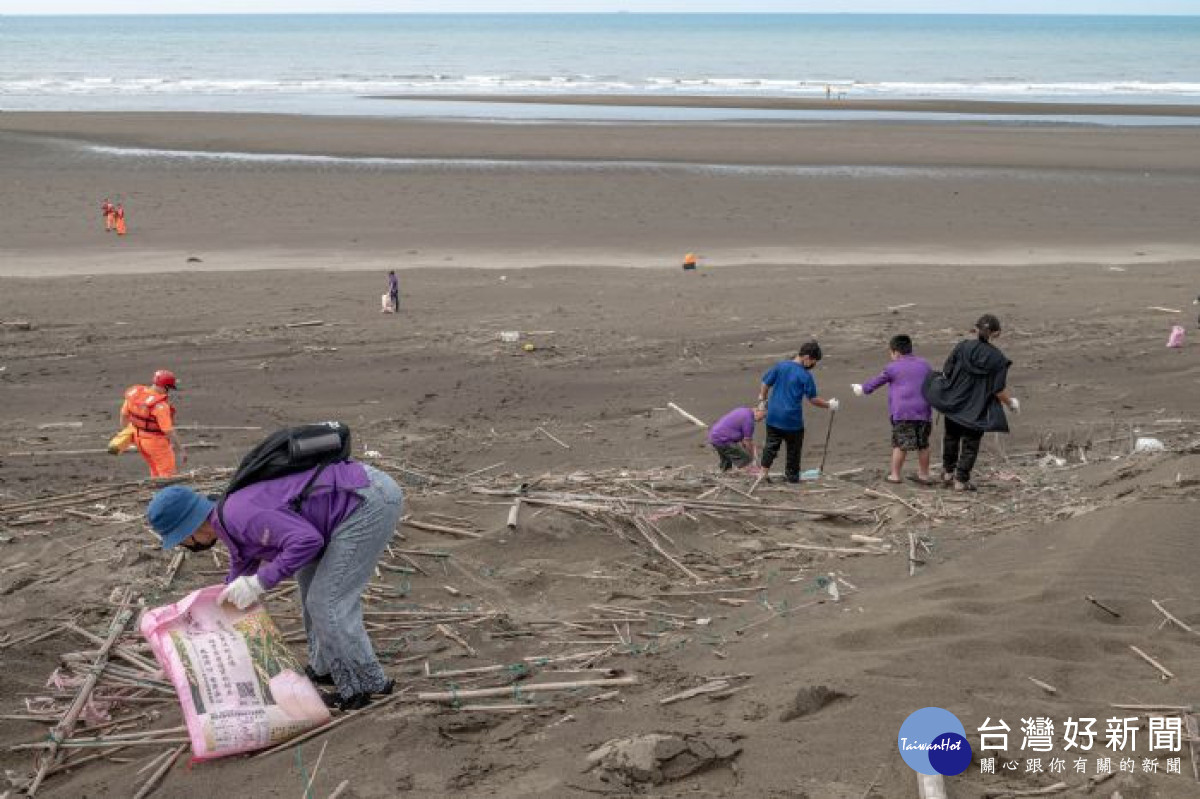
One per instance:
(288,451)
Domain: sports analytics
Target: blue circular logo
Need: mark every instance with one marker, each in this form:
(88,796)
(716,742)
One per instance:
(934,741)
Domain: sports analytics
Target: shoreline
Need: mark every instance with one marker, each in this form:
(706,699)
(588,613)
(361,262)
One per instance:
(35,265)
(505,196)
(909,105)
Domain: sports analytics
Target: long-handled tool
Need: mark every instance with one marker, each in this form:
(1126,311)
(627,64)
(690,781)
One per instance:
(828,433)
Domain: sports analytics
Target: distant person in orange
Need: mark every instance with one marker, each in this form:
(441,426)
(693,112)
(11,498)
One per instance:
(119,216)
(108,210)
(689,261)
(149,410)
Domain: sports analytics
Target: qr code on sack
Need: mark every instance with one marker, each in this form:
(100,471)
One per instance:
(246,691)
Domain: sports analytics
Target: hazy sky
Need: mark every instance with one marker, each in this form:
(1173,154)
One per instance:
(894,6)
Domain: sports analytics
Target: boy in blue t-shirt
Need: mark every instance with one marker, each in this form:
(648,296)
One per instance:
(789,383)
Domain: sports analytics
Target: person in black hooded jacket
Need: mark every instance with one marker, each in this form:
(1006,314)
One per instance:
(971,392)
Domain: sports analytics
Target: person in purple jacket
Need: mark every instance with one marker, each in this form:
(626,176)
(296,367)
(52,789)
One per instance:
(330,545)
(911,415)
(733,438)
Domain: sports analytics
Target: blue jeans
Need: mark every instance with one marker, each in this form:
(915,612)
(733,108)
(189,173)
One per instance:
(331,589)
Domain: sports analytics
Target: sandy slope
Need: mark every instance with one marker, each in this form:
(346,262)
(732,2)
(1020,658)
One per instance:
(999,600)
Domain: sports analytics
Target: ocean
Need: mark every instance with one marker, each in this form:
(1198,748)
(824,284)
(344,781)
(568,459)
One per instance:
(330,63)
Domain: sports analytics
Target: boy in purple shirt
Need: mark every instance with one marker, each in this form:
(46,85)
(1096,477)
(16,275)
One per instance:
(910,413)
(330,544)
(733,437)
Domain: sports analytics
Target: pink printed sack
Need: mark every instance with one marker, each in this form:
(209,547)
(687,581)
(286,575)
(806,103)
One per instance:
(239,685)
(1175,340)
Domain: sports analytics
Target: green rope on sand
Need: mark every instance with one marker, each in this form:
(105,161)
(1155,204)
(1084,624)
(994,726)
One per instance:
(303,773)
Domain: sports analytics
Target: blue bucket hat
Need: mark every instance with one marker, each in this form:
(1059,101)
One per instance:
(176,512)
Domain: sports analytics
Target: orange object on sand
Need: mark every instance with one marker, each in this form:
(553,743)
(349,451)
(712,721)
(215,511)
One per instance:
(690,259)
(156,450)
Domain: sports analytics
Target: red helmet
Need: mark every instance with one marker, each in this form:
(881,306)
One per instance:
(165,378)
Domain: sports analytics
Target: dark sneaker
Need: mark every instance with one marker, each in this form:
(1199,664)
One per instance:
(356,701)
(318,679)
(964,486)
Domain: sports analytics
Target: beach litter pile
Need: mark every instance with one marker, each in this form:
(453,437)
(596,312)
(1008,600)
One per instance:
(690,559)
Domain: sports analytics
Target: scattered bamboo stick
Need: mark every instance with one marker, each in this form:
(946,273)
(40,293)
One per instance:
(708,688)
(1172,619)
(1165,672)
(316,768)
(640,526)
(438,528)
(338,791)
(456,638)
(686,415)
(310,323)
(893,498)
(1057,787)
(743,590)
(477,693)
(152,782)
(836,550)
(1102,606)
(551,436)
(65,727)
(313,733)
(1045,686)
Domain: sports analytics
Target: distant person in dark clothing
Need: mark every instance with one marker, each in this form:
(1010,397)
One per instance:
(971,392)
(394,291)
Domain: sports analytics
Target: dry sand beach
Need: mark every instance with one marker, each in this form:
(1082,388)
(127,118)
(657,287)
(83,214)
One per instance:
(1071,234)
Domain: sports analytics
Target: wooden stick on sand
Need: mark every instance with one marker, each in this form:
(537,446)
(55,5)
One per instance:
(686,415)
(1165,673)
(551,436)
(1172,619)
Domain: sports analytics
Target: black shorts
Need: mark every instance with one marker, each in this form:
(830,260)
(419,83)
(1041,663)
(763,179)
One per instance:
(911,436)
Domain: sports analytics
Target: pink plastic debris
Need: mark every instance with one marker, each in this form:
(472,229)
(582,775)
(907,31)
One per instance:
(1175,340)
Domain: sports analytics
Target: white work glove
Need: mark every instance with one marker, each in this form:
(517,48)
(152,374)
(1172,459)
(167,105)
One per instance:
(242,592)
(857,389)
(834,405)
(1014,404)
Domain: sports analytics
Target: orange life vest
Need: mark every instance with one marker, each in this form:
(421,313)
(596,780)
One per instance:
(140,402)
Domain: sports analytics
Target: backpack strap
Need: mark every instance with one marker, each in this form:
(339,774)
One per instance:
(297,502)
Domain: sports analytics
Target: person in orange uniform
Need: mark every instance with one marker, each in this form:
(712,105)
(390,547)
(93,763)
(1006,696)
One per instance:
(149,410)
(119,216)
(107,209)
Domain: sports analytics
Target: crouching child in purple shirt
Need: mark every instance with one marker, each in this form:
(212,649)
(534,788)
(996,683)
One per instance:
(733,438)
(330,544)
(910,413)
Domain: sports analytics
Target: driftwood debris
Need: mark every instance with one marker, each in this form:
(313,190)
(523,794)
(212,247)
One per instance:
(1172,618)
(66,726)
(553,438)
(1164,672)
(1102,606)
(476,693)
(439,528)
(686,415)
